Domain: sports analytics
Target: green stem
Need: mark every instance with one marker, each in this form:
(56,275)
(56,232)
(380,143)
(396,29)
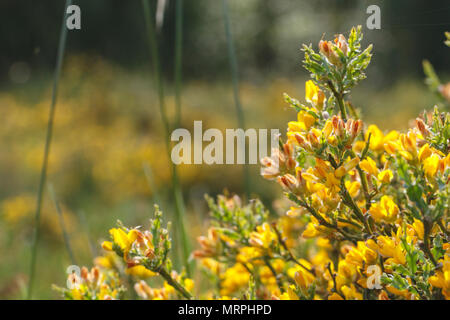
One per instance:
(348,200)
(321,220)
(333,276)
(340,99)
(235,80)
(48,140)
(364,184)
(362,176)
(178,58)
(182,290)
(178,197)
(274,273)
(443,228)
(349,222)
(428,226)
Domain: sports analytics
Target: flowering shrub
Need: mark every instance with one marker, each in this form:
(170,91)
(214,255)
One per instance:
(368,216)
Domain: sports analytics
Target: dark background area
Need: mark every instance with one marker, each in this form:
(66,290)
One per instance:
(114,29)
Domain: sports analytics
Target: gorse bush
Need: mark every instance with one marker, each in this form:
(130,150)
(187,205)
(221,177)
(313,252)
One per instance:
(367,215)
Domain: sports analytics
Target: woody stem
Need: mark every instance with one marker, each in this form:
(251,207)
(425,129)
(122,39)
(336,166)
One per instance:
(333,276)
(348,200)
(274,273)
(443,228)
(340,99)
(319,218)
(426,241)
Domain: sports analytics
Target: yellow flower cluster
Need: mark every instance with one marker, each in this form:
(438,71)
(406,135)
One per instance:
(365,214)
(375,205)
(166,292)
(380,200)
(96,284)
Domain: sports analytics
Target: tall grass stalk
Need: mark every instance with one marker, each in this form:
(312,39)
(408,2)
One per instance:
(66,238)
(235,79)
(48,140)
(178,58)
(178,197)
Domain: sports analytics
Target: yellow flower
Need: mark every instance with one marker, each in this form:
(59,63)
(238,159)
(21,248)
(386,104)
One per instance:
(358,146)
(140,271)
(188,284)
(385,176)
(351,293)
(418,228)
(391,147)
(289,294)
(93,285)
(107,245)
(106,261)
(263,236)
(378,140)
(211,264)
(327,128)
(409,144)
(353,188)
(233,279)
(307,119)
(385,210)
(295,126)
(369,166)
(122,239)
(324,243)
(314,229)
(346,167)
(424,152)
(361,255)
(314,95)
(389,247)
(249,254)
(346,274)
(321,258)
(442,277)
(304,122)
(335,296)
(303,278)
(430,165)
(402,293)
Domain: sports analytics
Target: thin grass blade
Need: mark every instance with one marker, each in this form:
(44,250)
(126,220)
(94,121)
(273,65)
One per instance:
(48,140)
(235,79)
(178,197)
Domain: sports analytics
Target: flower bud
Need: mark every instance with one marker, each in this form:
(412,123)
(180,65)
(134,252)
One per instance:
(289,182)
(84,273)
(326,48)
(356,129)
(341,43)
(422,127)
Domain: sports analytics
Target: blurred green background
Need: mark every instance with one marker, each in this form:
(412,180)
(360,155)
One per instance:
(107,123)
